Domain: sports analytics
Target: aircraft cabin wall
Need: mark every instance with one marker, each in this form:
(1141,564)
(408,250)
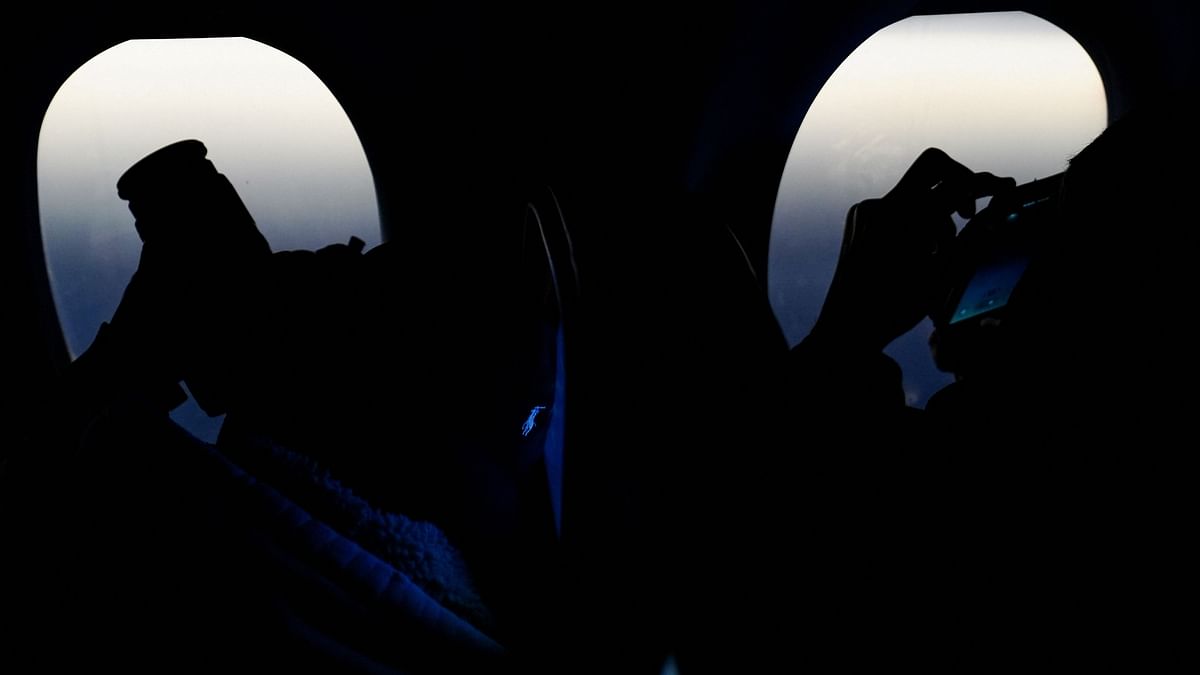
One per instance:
(653,125)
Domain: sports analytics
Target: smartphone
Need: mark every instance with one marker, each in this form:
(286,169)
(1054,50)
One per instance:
(990,288)
(996,247)
(991,257)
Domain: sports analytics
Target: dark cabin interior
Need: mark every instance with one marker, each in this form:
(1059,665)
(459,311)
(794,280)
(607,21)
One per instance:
(657,135)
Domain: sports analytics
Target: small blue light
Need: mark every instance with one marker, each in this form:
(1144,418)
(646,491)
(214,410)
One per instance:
(530,423)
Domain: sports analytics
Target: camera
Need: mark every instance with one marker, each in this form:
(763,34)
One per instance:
(181,203)
(988,273)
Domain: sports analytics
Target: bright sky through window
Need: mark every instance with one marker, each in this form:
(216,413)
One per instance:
(1004,92)
(270,125)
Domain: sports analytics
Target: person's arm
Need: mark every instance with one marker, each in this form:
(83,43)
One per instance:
(888,278)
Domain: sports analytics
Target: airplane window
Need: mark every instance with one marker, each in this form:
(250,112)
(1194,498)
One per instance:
(1005,92)
(270,125)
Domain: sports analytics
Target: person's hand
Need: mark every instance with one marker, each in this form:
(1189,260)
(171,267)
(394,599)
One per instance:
(889,272)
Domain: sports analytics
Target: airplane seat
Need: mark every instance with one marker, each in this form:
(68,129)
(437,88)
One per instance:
(530,358)
(739,352)
(682,349)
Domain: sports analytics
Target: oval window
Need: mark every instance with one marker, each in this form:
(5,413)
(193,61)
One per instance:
(1005,92)
(270,125)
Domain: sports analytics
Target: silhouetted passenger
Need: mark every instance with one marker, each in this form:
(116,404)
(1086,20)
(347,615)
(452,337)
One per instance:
(357,382)
(1030,517)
